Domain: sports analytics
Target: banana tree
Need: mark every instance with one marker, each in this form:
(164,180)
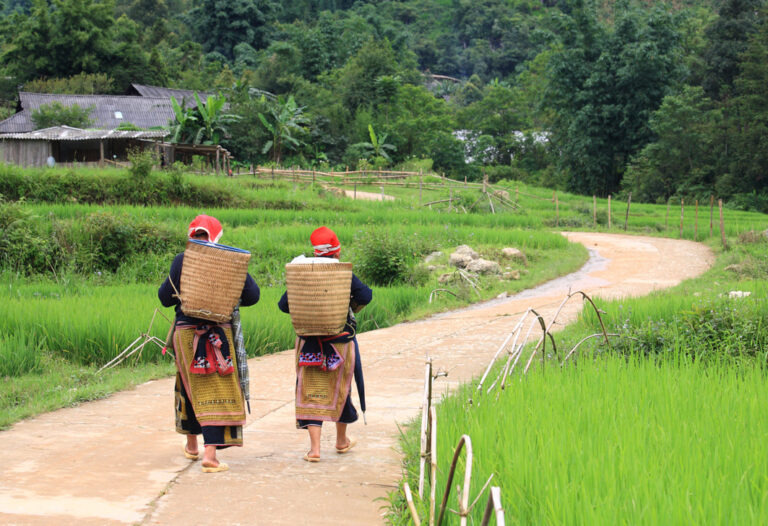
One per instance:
(284,121)
(184,119)
(376,149)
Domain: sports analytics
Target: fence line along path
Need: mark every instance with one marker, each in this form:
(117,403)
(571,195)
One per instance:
(118,460)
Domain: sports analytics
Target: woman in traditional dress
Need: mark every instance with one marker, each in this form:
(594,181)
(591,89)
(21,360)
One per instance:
(328,363)
(208,397)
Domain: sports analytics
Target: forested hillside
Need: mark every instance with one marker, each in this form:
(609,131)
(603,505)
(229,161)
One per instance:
(661,99)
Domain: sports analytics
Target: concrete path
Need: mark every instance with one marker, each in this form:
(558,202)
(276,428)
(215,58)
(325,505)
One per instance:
(118,460)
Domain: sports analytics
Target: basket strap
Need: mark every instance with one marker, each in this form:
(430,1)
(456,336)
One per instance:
(178,294)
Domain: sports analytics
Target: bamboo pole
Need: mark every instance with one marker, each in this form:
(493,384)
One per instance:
(722,224)
(696,223)
(609,211)
(711,207)
(626,217)
(682,209)
(594,211)
(420,183)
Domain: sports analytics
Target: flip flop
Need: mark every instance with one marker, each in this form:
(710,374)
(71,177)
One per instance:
(311,459)
(216,469)
(189,455)
(343,450)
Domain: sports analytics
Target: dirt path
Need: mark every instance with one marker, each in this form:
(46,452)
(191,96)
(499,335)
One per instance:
(368,196)
(118,461)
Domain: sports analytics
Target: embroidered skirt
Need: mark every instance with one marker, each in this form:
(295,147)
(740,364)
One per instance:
(321,395)
(213,402)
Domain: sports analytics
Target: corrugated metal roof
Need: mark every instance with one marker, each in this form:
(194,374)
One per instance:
(67,133)
(179,94)
(109,111)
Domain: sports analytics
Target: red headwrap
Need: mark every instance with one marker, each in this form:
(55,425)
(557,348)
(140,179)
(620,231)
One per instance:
(209,225)
(325,242)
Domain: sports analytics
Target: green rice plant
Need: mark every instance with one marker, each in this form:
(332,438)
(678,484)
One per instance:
(20,354)
(617,441)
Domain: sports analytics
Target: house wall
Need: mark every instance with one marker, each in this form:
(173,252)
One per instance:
(25,153)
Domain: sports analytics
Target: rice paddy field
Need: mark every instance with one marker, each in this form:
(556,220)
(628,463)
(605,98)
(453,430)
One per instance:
(80,280)
(663,426)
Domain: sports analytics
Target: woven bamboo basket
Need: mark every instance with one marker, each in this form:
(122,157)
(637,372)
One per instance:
(212,280)
(318,297)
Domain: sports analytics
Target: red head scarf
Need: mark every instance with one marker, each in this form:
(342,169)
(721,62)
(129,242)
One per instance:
(209,225)
(325,242)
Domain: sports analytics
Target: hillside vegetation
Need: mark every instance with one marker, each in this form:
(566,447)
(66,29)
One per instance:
(660,99)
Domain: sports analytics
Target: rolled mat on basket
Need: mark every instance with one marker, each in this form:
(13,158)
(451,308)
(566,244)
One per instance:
(212,280)
(318,297)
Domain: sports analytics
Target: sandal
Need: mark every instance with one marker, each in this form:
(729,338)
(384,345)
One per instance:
(215,469)
(311,459)
(191,456)
(349,446)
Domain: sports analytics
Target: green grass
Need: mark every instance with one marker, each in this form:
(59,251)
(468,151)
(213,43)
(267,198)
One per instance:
(60,383)
(663,427)
(618,441)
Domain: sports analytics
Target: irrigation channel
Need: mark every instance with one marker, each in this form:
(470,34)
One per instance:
(118,460)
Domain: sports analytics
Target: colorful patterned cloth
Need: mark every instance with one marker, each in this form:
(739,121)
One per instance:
(216,399)
(322,393)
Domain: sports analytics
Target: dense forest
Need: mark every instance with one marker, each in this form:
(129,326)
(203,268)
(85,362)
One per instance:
(660,99)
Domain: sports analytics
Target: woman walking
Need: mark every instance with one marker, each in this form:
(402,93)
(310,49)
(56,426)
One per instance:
(325,365)
(208,397)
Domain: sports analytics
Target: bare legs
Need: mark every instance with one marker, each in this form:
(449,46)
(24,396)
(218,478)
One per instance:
(192,444)
(209,457)
(315,432)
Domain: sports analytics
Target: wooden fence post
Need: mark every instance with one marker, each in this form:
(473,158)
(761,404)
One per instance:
(696,223)
(485,182)
(609,211)
(626,217)
(354,193)
(594,211)
(420,180)
(450,198)
(682,208)
(722,224)
(711,207)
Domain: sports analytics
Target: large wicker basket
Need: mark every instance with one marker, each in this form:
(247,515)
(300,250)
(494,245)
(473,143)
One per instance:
(318,297)
(212,280)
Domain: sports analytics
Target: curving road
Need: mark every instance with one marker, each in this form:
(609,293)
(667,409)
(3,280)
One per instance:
(118,461)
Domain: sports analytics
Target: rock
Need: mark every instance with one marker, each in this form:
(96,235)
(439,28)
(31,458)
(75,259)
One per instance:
(502,296)
(462,256)
(431,268)
(515,274)
(445,278)
(460,260)
(484,266)
(514,253)
(433,256)
(466,249)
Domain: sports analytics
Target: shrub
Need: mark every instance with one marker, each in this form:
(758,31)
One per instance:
(142,162)
(382,259)
(26,245)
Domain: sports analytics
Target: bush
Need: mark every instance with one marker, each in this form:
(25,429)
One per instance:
(27,245)
(142,162)
(383,260)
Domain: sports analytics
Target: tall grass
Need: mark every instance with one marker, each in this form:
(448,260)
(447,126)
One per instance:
(620,441)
